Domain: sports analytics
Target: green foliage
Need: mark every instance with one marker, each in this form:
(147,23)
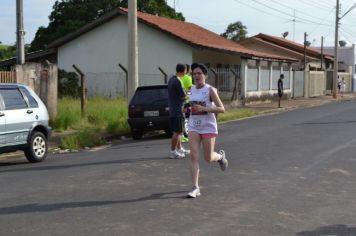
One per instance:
(69,115)
(7,52)
(68,84)
(70,15)
(235,31)
(81,139)
(101,113)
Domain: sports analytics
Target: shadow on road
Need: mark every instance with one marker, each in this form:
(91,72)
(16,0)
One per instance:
(32,208)
(25,166)
(335,230)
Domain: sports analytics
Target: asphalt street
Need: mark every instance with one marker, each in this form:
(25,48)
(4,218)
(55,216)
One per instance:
(291,173)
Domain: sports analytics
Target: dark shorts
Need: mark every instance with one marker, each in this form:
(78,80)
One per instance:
(177,124)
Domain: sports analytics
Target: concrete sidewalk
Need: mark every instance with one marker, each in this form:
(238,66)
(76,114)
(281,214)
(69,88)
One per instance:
(295,103)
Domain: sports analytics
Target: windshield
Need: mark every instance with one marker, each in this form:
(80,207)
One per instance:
(150,96)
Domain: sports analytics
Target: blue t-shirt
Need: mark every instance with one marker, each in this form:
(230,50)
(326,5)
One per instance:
(176,97)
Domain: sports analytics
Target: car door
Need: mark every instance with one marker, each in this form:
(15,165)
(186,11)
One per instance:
(19,117)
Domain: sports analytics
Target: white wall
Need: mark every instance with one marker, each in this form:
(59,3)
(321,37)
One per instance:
(100,50)
(347,55)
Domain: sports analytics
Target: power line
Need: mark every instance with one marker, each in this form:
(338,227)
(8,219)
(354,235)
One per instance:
(282,12)
(346,37)
(322,21)
(316,4)
(254,8)
(293,9)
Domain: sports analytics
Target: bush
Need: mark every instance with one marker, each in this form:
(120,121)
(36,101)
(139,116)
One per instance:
(101,113)
(82,139)
(68,84)
(69,115)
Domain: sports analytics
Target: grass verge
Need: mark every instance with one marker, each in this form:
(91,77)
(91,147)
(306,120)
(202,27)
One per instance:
(82,139)
(106,117)
(236,113)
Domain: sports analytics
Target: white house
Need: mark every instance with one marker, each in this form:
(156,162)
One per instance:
(100,46)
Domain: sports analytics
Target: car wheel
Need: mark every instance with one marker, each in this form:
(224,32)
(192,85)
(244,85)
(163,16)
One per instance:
(136,134)
(37,148)
(169,133)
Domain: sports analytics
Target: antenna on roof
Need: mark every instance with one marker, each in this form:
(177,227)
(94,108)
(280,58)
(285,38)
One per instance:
(285,34)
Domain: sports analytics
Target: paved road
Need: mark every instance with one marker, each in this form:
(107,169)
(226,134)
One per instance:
(290,174)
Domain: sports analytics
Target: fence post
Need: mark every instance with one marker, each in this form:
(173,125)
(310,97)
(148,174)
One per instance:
(82,89)
(127,80)
(164,74)
(234,91)
(49,82)
(216,78)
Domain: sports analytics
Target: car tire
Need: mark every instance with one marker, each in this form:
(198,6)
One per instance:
(37,147)
(136,134)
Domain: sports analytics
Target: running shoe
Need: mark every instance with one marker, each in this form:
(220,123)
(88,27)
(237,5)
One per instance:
(176,155)
(184,139)
(194,193)
(223,161)
(184,152)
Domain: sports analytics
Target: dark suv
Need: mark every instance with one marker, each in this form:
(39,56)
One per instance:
(148,110)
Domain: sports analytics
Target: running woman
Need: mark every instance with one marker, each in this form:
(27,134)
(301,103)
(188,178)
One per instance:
(202,127)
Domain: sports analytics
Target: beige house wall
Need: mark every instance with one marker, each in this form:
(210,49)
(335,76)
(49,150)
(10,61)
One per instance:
(215,58)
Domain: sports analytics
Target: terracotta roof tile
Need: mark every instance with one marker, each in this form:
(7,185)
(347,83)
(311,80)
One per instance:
(188,32)
(198,36)
(291,45)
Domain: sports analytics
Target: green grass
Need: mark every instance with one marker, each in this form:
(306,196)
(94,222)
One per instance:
(106,117)
(81,139)
(236,113)
(100,113)
(4,46)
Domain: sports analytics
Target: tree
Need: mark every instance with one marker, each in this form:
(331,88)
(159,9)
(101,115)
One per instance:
(235,31)
(7,52)
(70,15)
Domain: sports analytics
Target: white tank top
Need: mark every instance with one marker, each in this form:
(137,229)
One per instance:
(202,123)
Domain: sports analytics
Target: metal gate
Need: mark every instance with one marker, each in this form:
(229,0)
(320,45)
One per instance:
(298,83)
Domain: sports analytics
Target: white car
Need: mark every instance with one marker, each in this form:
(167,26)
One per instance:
(23,122)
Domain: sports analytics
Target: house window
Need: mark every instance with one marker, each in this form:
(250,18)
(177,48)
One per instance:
(218,65)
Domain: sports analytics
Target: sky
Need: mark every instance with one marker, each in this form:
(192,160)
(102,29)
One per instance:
(273,17)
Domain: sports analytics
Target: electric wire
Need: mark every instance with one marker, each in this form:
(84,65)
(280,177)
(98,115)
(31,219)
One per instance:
(284,13)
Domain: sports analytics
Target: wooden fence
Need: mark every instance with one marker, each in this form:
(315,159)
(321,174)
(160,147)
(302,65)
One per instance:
(7,77)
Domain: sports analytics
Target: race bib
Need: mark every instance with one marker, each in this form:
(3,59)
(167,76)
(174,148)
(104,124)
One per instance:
(196,122)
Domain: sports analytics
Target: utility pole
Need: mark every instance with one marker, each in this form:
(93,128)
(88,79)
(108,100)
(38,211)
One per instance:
(132,49)
(336,51)
(322,53)
(20,42)
(305,51)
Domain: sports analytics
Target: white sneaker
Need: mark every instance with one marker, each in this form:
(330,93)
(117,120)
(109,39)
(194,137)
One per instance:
(223,162)
(176,155)
(184,151)
(194,193)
